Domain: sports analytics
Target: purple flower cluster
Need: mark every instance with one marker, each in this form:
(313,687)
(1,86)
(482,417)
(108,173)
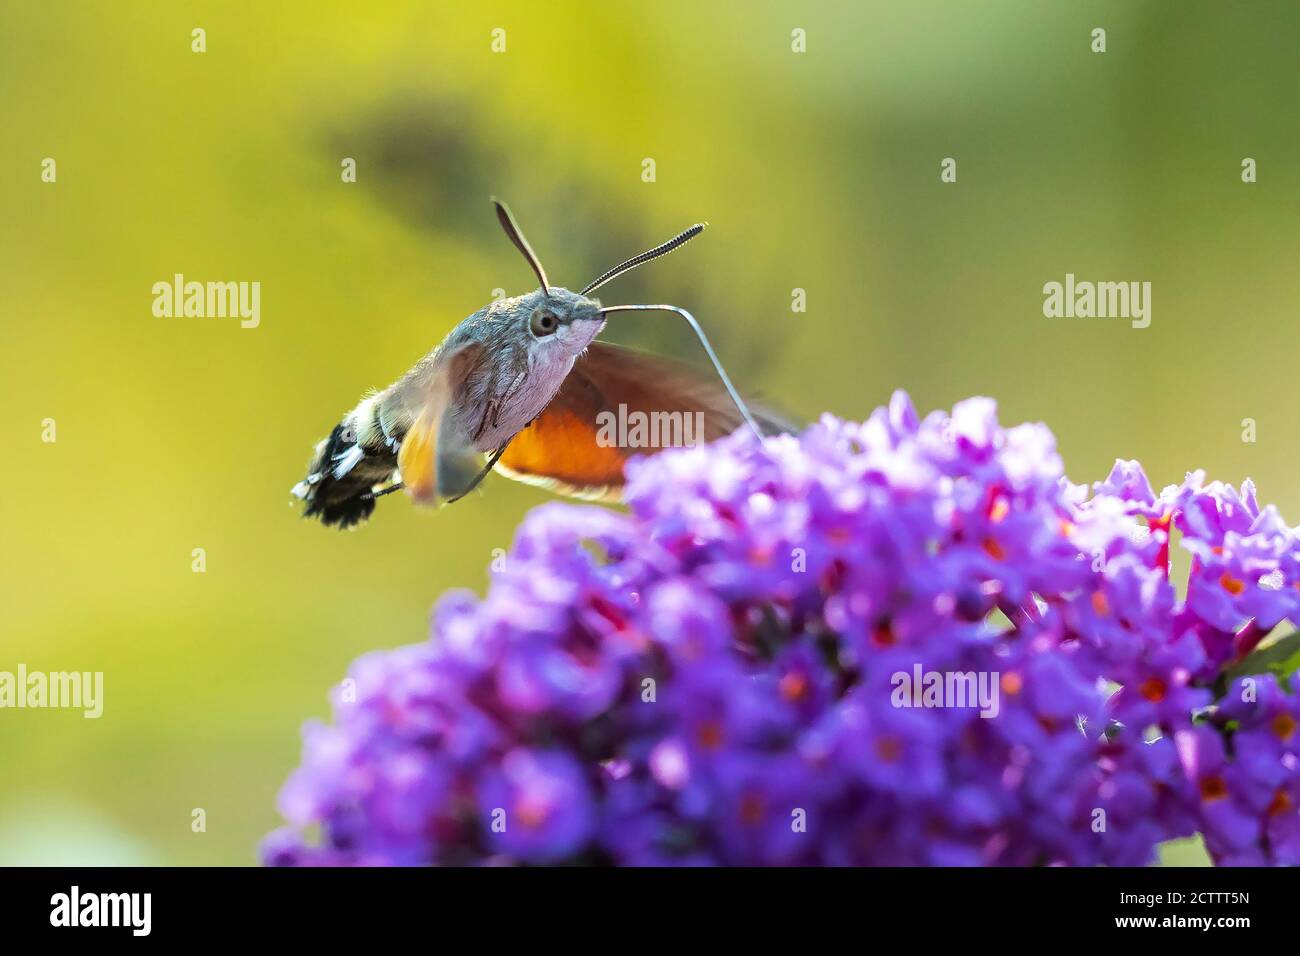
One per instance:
(893,642)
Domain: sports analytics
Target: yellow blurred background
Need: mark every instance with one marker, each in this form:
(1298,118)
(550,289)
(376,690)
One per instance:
(818,171)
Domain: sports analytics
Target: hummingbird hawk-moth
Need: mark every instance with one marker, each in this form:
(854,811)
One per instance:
(517,387)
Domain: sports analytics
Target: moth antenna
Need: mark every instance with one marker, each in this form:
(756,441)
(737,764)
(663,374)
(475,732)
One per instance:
(517,237)
(699,333)
(661,250)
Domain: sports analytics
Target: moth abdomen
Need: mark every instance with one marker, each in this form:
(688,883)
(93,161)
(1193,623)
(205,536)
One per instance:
(357,460)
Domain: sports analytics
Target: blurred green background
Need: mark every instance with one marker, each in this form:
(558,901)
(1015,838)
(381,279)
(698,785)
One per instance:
(817,171)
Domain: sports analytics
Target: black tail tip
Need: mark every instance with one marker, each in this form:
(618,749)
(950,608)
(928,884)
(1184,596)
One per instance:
(341,513)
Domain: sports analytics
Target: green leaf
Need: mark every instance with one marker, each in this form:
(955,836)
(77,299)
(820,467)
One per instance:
(1275,655)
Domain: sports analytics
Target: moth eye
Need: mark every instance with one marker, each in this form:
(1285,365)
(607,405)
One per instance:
(543,323)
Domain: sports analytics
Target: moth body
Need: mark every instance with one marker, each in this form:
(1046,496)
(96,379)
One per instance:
(532,341)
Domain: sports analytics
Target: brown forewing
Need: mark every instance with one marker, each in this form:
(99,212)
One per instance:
(560,448)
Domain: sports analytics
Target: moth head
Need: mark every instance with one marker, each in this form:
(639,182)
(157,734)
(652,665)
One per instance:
(557,322)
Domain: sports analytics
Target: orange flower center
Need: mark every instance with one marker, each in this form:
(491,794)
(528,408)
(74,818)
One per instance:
(710,735)
(1232,585)
(1213,788)
(530,811)
(1284,726)
(751,809)
(1153,689)
(793,686)
(888,749)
